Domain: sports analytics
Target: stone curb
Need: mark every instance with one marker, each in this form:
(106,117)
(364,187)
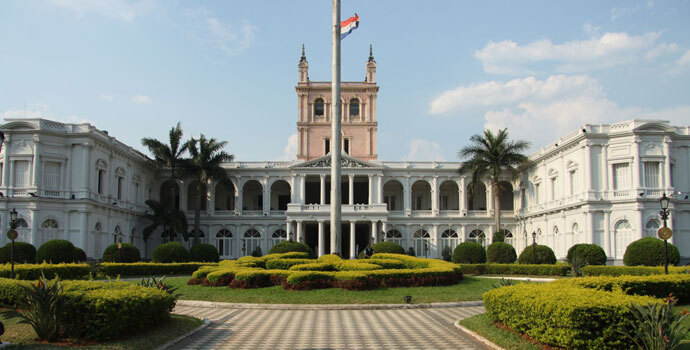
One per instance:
(184,336)
(477,337)
(210,304)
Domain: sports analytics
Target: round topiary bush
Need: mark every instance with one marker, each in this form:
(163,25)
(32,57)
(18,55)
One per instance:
(56,251)
(388,247)
(649,251)
(204,252)
(129,253)
(170,252)
(292,246)
(586,254)
(502,253)
(79,255)
(23,253)
(469,253)
(544,255)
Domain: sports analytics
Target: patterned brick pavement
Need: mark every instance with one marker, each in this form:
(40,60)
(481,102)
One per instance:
(330,329)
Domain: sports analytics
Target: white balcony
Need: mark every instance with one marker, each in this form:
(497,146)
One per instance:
(294,209)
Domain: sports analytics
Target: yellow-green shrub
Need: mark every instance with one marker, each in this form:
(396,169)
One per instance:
(285,264)
(592,270)
(516,269)
(250,261)
(330,258)
(302,277)
(386,263)
(205,270)
(659,286)
(319,266)
(572,318)
(151,269)
(354,265)
(33,271)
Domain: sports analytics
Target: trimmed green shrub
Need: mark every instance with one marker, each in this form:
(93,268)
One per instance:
(502,253)
(291,246)
(586,254)
(129,253)
(544,255)
(388,247)
(33,271)
(658,286)
(56,251)
(170,252)
(79,255)
(204,252)
(286,264)
(649,251)
(410,252)
(257,253)
(631,270)
(516,269)
(24,253)
(469,253)
(571,318)
(150,269)
(447,254)
(499,236)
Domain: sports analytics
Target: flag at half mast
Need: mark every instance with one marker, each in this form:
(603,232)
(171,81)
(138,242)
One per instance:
(348,25)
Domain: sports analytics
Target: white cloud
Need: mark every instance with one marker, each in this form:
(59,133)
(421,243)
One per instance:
(231,38)
(542,110)
(618,12)
(290,151)
(105,97)
(141,99)
(591,29)
(684,60)
(425,150)
(122,10)
(598,52)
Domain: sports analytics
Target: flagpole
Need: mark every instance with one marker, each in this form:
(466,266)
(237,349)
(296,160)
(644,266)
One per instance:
(335,132)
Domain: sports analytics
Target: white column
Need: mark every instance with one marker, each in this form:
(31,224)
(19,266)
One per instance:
(461,195)
(605,179)
(83,242)
(323,189)
(34,227)
(370,190)
(239,201)
(300,234)
(351,181)
(434,196)
(374,234)
(288,227)
(322,240)
(302,190)
(37,163)
(87,165)
(435,251)
(640,224)
(267,197)
(667,165)
(379,188)
(384,228)
(6,169)
(407,195)
(586,167)
(607,235)
(590,227)
(636,165)
(353,253)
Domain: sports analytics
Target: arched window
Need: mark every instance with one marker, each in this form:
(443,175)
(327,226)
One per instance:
(477,236)
(652,228)
(98,227)
(394,236)
(508,236)
(354,107)
(224,243)
(192,234)
(50,229)
(118,235)
(250,241)
(277,236)
(449,238)
(623,234)
(421,240)
(49,223)
(318,107)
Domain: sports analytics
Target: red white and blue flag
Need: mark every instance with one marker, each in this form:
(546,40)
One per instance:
(348,25)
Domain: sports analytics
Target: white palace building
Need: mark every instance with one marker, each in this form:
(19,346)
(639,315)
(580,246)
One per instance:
(599,184)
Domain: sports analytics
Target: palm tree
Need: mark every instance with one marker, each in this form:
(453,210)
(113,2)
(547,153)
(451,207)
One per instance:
(166,216)
(207,156)
(493,155)
(168,156)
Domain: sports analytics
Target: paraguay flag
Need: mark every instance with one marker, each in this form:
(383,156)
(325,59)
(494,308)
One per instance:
(348,25)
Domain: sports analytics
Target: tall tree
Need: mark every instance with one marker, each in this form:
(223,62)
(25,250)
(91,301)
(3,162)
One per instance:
(496,157)
(204,165)
(164,215)
(169,156)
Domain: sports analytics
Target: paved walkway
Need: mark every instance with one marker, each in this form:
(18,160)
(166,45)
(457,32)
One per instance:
(330,329)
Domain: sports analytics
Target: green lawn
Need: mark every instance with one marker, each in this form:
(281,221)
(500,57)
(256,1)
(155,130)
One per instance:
(470,288)
(146,339)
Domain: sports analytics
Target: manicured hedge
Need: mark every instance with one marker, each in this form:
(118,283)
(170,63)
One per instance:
(545,255)
(572,318)
(170,252)
(24,253)
(502,253)
(101,310)
(659,286)
(387,263)
(33,271)
(56,251)
(129,253)
(291,246)
(585,254)
(388,247)
(631,270)
(649,251)
(469,253)
(516,269)
(204,252)
(285,264)
(151,269)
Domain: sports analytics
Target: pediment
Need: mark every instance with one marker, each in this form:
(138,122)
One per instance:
(325,162)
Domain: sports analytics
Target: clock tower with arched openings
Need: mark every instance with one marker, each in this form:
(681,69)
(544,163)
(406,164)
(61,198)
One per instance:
(358,117)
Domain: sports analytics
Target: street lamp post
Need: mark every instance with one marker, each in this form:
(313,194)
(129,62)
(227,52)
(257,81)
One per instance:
(12,235)
(119,247)
(665,233)
(534,247)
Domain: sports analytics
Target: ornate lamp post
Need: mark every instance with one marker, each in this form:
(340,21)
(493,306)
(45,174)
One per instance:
(534,247)
(665,233)
(12,235)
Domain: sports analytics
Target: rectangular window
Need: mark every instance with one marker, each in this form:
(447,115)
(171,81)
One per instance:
(346,146)
(573,181)
(651,174)
(21,173)
(327,146)
(620,176)
(553,188)
(101,177)
(119,187)
(51,177)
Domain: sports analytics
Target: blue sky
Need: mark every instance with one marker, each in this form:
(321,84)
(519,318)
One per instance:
(447,69)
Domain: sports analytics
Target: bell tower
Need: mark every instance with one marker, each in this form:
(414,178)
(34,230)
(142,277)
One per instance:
(358,118)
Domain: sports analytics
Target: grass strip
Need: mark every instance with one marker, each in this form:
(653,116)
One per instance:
(482,325)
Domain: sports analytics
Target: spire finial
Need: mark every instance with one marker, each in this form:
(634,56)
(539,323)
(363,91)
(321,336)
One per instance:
(304,57)
(371,53)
